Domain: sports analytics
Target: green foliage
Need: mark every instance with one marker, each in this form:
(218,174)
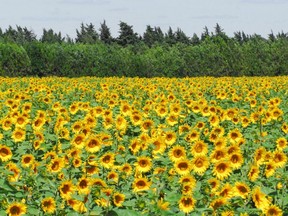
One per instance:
(14,60)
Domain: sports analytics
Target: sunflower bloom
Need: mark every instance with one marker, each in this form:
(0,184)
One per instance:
(16,209)
(273,210)
(143,164)
(186,204)
(222,170)
(118,199)
(48,205)
(183,167)
(141,184)
(260,200)
(5,153)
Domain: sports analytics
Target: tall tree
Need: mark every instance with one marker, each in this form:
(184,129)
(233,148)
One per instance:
(105,34)
(181,37)
(149,36)
(127,35)
(49,36)
(205,34)
(195,40)
(170,37)
(87,34)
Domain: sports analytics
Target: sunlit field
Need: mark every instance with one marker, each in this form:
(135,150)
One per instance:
(131,146)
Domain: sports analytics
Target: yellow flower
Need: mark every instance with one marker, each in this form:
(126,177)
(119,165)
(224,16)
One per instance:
(16,209)
(5,153)
(186,204)
(118,199)
(241,189)
(66,189)
(177,153)
(200,164)
(260,200)
(141,184)
(273,210)
(199,148)
(18,135)
(163,205)
(107,160)
(48,205)
(143,164)
(222,170)
(183,166)
(27,160)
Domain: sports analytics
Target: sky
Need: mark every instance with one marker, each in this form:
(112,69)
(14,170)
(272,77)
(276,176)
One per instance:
(191,16)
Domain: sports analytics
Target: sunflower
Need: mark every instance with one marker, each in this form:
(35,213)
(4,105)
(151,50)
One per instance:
(7,124)
(253,173)
(38,123)
(21,121)
(199,148)
(214,184)
(12,167)
(234,136)
(143,164)
(222,170)
(118,199)
(136,119)
(217,203)
(97,182)
(16,209)
(269,169)
(78,141)
(5,153)
(259,155)
(226,191)
(159,145)
(220,143)
(186,203)
(27,160)
(83,186)
(161,204)
(147,125)
(214,120)
(281,143)
(284,127)
(187,189)
(77,205)
(176,153)
(66,189)
(218,155)
(56,165)
(76,127)
(92,144)
(126,168)
(18,135)
(107,160)
(134,146)
(141,184)
(193,135)
(279,158)
(200,164)
(260,200)
(187,179)
(273,210)
(121,123)
(113,176)
(183,166)
(161,111)
(77,162)
(170,137)
(48,205)
(236,160)
(241,189)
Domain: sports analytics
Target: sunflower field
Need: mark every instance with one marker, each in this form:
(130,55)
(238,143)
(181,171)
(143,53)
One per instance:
(139,146)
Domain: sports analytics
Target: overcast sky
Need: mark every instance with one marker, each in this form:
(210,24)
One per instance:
(251,16)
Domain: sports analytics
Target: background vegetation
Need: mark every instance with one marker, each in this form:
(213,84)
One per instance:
(171,54)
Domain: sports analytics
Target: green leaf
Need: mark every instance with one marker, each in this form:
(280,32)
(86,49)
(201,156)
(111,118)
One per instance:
(126,212)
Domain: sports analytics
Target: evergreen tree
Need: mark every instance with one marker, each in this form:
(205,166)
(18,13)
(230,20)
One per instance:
(149,36)
(87,34)
(205,34)
(49,36)
(127,35)
(170,37)
(195,40)
(159,36)
(271,37)
(105,34)
(181,37)
(238,37)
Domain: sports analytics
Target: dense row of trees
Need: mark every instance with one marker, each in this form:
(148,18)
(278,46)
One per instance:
(96,53)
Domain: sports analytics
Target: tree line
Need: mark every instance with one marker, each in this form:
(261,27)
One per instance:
(155,53)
